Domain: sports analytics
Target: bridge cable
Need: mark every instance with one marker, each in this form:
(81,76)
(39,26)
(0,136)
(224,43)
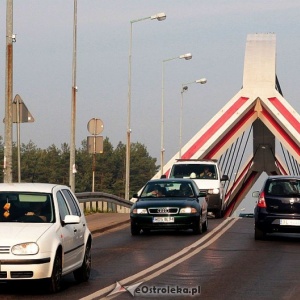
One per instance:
(238,168)
(239,165)
(289,155)
(285,159)
(223,159)
(229,155)
(296,164)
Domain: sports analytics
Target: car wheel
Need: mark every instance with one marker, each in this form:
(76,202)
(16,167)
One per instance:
(205,225)
(83,273)
(135,230)
(259,234)
(55,279)
(198,229)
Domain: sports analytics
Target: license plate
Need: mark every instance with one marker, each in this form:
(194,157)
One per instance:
(163,220)
(289,222)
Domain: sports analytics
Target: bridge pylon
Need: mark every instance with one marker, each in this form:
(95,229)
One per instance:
(259,105)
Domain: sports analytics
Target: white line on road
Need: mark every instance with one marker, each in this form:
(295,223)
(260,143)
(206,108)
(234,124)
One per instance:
(170,262)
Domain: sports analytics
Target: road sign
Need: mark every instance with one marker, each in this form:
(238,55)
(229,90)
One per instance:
(95,126)
(24,114)
(95,144)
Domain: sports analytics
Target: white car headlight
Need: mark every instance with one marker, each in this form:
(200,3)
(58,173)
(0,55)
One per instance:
(214,191)
(140,211)
(25,249)
(188,210)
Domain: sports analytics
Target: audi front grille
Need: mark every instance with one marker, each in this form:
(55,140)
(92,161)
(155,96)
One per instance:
(163,210)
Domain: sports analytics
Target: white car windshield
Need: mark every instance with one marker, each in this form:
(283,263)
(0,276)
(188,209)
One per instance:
(194,171)
(26,207)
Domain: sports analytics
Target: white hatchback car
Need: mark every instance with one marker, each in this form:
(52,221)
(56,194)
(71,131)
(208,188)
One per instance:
(43,234)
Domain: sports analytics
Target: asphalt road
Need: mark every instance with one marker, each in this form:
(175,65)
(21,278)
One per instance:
(225,263)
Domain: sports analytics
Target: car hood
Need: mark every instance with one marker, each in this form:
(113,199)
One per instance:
(16,233)
(180,202)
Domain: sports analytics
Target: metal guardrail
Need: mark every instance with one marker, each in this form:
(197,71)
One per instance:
(103,202)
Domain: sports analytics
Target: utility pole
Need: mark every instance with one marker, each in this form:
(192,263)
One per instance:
(73,105)
(10,38)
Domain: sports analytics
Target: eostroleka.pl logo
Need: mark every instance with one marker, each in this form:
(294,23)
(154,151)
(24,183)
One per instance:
(123,288)
(143,290)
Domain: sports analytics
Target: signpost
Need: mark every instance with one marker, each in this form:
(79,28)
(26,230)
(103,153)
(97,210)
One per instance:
(20,114)
(94,142)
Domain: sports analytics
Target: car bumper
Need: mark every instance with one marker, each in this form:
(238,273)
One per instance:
(180,222)
(214,203)
(14,269)
(277,223)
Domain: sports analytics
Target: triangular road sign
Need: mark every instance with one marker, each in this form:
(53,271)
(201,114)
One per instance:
(25,115)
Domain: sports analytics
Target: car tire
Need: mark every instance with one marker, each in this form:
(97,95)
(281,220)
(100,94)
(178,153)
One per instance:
(198,229)
(259,234)
(54,282)
(205,225)
(83,273)
(135,230)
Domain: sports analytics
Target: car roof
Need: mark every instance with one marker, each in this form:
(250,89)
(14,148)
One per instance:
(274,177)
(196,161)
(29,187)
(164,180)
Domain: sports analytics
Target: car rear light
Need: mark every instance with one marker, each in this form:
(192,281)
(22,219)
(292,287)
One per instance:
(261,200)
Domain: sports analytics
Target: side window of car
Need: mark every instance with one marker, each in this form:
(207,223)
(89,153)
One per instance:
(62,206)
(72,203)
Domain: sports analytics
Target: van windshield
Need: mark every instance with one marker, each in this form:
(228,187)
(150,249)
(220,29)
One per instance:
(195,171)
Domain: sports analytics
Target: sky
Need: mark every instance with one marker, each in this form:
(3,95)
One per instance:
(214,32)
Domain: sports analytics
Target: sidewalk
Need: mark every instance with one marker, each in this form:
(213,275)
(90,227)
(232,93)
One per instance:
(100,222)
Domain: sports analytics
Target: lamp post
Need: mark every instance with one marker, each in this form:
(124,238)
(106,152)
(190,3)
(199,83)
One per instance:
(186,56)
(183,89)
(159,17)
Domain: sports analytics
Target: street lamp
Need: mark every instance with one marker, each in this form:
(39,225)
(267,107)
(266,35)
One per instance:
(159,17)
(186,56)
(183,89)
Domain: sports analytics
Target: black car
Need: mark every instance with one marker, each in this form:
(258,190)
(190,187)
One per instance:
(278,206)
(169,204)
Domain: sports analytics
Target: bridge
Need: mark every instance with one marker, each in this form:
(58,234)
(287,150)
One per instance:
(256,132)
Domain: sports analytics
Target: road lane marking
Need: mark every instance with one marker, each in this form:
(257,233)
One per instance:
(170,262)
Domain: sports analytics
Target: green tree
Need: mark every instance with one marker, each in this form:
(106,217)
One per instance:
(119,170)
(142,167)
(83,177)
(52,165)
(31,159)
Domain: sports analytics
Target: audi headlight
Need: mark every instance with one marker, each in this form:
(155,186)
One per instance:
(139,211)
(188,210)
(25,249)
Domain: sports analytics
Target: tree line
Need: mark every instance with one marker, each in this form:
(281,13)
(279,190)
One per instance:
(52,165)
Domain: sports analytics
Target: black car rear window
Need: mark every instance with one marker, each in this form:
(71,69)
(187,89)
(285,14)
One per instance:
(283,187)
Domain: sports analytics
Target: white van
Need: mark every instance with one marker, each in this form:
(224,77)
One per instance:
(207,175)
